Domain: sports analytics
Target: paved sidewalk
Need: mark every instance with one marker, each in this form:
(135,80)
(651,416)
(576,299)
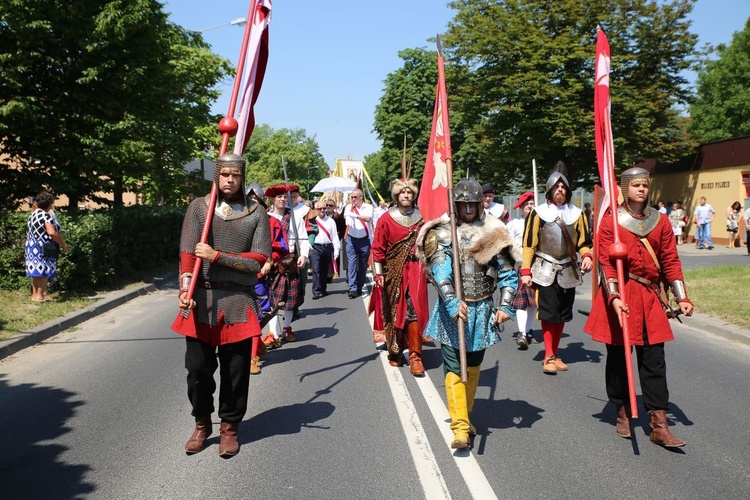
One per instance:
(104,303)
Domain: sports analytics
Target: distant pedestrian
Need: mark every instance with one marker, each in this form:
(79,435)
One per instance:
(733,222)
(703,217)
(42,230)
(746,218)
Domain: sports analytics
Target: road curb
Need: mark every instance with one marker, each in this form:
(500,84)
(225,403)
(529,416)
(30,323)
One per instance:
(36,335)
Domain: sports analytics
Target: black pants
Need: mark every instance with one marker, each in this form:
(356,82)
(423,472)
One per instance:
(320,261)
(555,303)
(747,240)
(234,376)
(652,372)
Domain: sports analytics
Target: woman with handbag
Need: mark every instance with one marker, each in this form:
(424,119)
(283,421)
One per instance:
(733,219)
(43,241)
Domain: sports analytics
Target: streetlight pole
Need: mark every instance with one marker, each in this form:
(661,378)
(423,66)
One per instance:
(240,21)
(308,177)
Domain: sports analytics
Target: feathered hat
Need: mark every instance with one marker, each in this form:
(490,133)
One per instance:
(398,185)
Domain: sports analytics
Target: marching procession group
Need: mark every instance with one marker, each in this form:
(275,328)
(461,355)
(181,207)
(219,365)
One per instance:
(253,273)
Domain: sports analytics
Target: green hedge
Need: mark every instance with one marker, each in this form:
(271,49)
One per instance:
(105,247)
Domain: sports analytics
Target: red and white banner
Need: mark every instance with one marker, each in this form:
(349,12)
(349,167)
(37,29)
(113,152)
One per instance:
(605,152)
(257,56)
(433,193)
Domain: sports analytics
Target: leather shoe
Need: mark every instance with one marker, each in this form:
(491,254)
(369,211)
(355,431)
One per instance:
(228,445)
(203,429)
(352,295)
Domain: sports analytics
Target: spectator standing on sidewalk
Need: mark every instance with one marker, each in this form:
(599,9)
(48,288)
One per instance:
(223,313)
(746,218)
(733,222)
(703,217)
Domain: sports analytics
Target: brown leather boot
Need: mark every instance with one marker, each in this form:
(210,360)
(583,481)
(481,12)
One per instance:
(660,430)
(415,350)
(203,429)
(622,426)
(228,445)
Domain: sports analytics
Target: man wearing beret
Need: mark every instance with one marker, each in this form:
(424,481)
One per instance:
(497,210)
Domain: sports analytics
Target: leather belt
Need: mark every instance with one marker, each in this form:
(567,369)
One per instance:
(224,285)
(642,281)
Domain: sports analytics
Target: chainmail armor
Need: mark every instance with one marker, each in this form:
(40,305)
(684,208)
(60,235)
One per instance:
(249,233)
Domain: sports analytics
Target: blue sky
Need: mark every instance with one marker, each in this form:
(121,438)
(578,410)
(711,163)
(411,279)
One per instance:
(328,58)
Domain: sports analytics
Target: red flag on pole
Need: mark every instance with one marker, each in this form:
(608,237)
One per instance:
(257,53)
(605,156)
(433,194)
(605,153)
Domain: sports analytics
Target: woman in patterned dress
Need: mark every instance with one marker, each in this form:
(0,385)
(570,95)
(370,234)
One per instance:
(41,227)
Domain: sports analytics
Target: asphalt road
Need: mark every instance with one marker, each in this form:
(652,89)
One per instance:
(100,411)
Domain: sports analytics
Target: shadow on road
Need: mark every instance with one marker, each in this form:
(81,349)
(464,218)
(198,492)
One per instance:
(29,467)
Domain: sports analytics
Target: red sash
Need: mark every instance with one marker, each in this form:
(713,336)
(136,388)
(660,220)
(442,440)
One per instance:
(325,231)
(356,211)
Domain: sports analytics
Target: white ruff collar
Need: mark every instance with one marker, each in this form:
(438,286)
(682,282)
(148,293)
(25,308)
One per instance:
(549,212)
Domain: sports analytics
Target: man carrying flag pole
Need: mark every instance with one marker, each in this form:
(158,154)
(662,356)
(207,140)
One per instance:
(465,260)
(220,258)
(628,308)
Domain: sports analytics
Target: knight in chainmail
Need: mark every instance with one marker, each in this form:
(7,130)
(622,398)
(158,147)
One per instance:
(487,256)
(556,232)
(401,276)
(651,257)
(222,315)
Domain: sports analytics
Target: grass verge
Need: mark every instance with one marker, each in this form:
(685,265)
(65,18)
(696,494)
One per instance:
(720,292)
(19,313)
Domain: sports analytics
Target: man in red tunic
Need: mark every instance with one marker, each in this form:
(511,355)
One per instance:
(652,256)
(223,313)
(402,276)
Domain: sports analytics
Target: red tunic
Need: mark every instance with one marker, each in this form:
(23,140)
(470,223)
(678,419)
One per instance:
(414,280)
(643,303)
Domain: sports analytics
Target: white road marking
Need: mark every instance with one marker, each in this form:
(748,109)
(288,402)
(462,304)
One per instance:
(430,476)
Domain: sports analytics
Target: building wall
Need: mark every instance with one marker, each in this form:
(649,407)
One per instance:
(720,186)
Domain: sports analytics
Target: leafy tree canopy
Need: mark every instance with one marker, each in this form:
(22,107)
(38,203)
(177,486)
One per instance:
(100,96)
(722,106)
(520,87)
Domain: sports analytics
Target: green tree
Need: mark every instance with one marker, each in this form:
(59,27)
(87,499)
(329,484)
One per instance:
(405,111)
(99,96)
(305,164)
(527,90)
(722,106)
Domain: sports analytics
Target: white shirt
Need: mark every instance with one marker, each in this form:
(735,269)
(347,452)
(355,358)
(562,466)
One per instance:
(322,238)
(515,228)
(703,213)
(358,228)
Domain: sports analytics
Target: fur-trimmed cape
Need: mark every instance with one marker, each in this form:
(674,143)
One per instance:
(488,237)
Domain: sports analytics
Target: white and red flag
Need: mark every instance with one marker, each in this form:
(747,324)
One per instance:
(257,56)
(433,193)
(605,153)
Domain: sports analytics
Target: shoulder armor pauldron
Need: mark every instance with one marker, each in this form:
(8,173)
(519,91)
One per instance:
(439,236)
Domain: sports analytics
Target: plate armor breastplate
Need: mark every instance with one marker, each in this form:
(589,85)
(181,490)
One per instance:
(478,281)
(552,258)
